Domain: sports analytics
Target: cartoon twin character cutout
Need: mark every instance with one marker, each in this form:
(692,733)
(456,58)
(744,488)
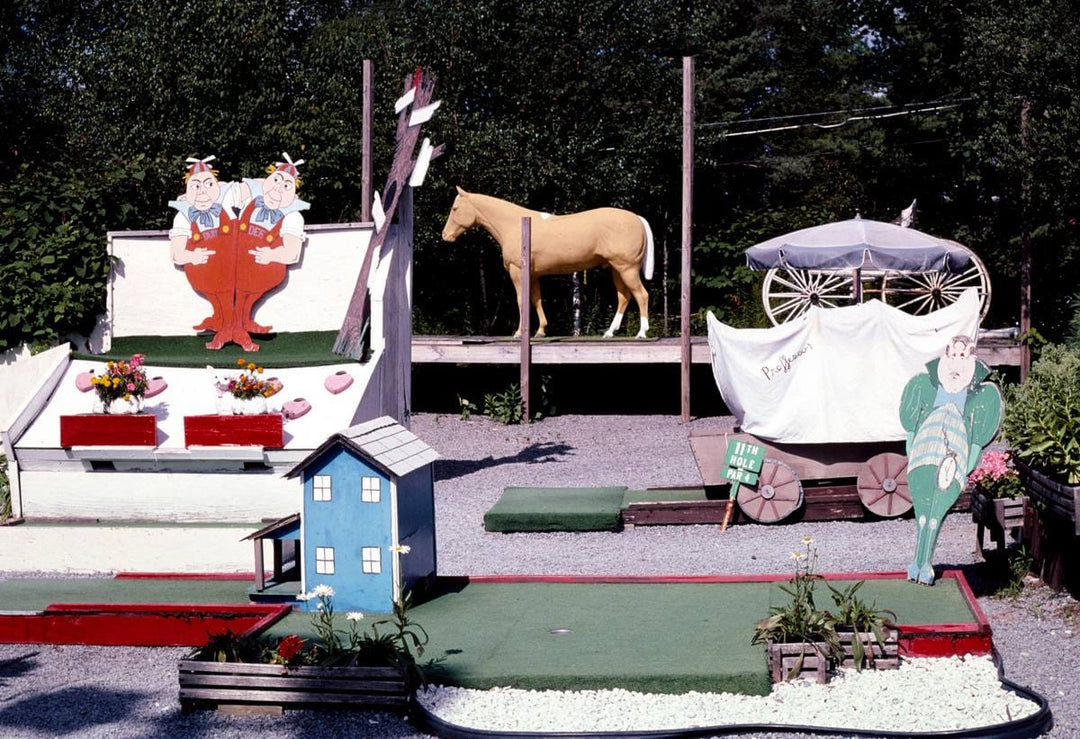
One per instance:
(234,241)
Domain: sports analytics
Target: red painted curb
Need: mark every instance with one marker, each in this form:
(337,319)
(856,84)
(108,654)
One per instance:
(137,624)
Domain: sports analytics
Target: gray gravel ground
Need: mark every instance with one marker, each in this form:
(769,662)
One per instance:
(48,691)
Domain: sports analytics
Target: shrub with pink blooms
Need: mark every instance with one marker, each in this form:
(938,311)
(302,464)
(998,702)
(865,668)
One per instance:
(996,477)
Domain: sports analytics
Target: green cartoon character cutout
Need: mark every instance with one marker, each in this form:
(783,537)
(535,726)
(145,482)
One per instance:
(950,414)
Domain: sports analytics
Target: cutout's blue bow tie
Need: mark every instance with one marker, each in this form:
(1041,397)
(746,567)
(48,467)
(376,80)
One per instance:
(204,217)
(263,213)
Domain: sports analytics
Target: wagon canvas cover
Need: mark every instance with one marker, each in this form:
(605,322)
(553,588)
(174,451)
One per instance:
(859,243)
(834,374)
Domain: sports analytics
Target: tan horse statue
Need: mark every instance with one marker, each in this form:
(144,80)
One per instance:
(560,245)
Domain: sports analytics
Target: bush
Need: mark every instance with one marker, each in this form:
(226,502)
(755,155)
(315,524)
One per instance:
(1042,416)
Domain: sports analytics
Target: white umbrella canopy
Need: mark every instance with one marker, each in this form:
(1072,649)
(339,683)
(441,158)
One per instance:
(859,243)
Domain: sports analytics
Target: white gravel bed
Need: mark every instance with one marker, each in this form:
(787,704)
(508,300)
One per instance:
(98,692)
(903,700)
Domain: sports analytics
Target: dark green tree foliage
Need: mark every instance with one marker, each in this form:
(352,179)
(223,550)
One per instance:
(559,105)
(1017,54)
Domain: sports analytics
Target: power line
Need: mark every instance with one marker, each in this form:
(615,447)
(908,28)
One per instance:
(870,114)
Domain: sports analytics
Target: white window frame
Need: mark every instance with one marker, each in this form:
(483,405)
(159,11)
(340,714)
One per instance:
(371,557)
(370,489)
(322,488)
(324,560)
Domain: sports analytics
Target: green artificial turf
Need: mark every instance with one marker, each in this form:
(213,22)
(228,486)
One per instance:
(301,349)
(35,594)
(556,509)
(648,637)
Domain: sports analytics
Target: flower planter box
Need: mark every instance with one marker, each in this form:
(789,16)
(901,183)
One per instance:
(999,515)
(263,430)
(212,685)
(783,658)
(1059,498)
(96,429)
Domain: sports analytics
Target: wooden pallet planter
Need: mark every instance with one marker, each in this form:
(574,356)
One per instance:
(1058,497)
(1054,526)
(999,515)
(105,429)
(784,658)
(265,430)
(227,685)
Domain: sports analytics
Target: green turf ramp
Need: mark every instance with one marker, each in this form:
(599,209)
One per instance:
(521,509)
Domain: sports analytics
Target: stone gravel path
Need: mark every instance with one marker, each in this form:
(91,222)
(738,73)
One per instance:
(48,691)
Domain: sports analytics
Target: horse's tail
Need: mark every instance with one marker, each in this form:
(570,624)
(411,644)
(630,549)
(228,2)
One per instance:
(647,265)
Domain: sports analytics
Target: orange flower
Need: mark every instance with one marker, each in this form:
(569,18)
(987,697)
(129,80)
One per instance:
(240,362)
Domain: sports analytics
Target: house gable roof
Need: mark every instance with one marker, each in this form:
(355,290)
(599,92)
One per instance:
(383,441)
(281,528)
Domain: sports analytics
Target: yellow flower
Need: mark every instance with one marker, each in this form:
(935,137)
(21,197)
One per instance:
(109,365)
(259,370)
(116,382)
(807,540)
(797,556)
(127,396)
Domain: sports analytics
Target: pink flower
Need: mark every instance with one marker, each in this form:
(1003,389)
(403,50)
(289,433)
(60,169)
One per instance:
(130,386)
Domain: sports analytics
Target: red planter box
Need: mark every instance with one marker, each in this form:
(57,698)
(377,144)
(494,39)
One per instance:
(264,430)
(95,429)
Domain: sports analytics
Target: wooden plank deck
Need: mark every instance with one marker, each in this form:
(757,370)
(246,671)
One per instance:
(578,350)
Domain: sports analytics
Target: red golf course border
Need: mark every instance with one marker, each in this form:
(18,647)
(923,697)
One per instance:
(136,624)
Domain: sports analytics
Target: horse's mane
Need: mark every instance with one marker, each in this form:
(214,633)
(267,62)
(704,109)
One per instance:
(488,200)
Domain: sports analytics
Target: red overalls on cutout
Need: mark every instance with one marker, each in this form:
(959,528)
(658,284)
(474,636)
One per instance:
(215,279)
(254,280)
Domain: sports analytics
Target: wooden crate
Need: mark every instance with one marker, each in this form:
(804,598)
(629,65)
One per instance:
(224,685)
(265,430)
(783,658)
(999,515)
(105,429)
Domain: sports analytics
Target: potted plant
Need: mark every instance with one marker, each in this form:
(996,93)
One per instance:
(248,390)
(1042,426)
(868,634)
(117,417)
(366,668)
(121,389)
(799,637)
(242,415)
(997,496)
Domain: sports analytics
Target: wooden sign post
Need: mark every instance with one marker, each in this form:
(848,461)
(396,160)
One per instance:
(743,461)
(526,323)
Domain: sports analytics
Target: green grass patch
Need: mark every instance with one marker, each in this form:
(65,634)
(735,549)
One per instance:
(556,509)
(35,594)
(300,349)
(648,637)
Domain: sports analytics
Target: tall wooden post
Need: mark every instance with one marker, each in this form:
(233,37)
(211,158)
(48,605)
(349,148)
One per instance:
(526,322)
(1025,241)
(365,142)
(687,225)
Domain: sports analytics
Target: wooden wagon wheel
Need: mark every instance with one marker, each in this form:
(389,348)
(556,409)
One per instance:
(883,486)
(923,292)
(777,494)
(787,293)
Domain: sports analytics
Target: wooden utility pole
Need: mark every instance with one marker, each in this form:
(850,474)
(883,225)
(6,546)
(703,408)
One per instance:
(1025,240)
(687,226)
(526,322)
(365,142)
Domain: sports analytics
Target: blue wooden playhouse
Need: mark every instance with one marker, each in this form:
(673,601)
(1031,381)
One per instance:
(368,493)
